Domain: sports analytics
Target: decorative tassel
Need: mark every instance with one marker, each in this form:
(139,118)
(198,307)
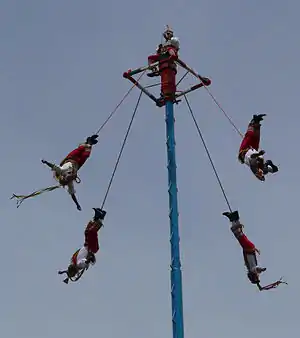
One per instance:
(22,198)
(273,285)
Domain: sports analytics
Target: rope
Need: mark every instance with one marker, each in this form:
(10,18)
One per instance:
(224,112)
(208,154)
(121,151)
(118,105)
(217,103)
(153,85)
(178,83)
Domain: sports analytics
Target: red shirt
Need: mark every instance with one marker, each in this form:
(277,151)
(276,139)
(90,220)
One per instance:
(246,244)
(251,139)
(80,154)
(91,237)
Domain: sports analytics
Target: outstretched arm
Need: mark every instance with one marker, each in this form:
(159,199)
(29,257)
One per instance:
(52,166)
(72,192)
(271,286)
(259,287)
(73,196)
(66,280)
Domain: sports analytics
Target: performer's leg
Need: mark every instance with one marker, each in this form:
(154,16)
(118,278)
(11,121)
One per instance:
(246,244)
(91,236)
(250,140)
(152,59)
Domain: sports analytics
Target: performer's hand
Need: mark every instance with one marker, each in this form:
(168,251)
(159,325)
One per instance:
(78,207)
(43,161)
(260,175)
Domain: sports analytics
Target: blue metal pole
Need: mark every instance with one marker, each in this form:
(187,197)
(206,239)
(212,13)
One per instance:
(176,278)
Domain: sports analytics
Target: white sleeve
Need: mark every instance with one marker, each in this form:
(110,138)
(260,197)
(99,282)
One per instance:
(57,170)
(82,264)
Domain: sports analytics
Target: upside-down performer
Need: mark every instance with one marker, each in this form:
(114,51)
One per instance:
(250,154)
(66,172)
(249,252)
(82,258)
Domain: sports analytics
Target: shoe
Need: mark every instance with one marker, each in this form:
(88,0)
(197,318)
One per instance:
(99,214)
(92,140)
(258,118)
(272,165)
(232,216)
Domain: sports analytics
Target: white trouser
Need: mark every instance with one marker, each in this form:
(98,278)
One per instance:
(66,170)
(251,262)
(249,161)
(81,260)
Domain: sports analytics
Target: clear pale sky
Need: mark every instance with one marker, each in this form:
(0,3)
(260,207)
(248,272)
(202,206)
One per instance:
(60,76)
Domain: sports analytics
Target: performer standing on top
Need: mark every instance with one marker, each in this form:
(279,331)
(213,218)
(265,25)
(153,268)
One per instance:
(167,49)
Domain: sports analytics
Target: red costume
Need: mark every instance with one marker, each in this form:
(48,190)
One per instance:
(248,249)
(246,244)
(91,243)
(250,140)
(249,253)
(85,256)
(79,155)
(91,237)
(167,69)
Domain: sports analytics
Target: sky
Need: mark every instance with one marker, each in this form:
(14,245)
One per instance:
(60,77)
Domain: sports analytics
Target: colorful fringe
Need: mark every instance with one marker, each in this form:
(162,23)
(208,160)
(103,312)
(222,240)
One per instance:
(22,198)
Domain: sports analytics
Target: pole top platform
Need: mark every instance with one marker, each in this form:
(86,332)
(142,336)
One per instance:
(166,58)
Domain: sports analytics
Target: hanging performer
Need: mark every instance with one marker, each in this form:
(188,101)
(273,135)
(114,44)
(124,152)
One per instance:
(249,252)
(66,172)
(85,256)
(250,154)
